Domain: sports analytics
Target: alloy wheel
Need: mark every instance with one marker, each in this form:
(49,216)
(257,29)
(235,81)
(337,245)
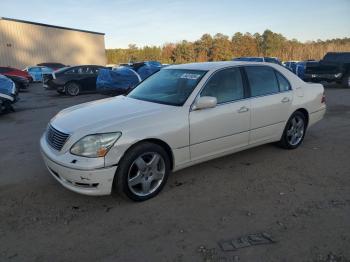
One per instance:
(73,89)
(295,131)
(146,174)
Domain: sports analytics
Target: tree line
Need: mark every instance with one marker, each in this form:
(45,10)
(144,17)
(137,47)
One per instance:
(221,47)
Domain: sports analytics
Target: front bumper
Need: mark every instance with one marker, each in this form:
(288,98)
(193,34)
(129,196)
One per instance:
(94,182)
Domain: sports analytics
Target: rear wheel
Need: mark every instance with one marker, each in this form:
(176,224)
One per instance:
(72,89)
(142,172)
(294,132)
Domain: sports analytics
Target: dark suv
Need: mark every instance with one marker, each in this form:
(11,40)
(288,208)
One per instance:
(334,67)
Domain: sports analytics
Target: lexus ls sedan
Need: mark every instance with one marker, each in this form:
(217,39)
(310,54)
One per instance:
(178,117)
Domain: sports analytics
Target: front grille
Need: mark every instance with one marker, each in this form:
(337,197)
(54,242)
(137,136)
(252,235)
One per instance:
(56,139)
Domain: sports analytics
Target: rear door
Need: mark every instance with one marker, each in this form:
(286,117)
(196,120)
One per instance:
(224,128)
(271,99)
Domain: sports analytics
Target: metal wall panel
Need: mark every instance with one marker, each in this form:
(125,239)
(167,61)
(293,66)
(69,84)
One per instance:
(25,44)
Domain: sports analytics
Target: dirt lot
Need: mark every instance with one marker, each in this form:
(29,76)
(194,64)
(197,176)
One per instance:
(301,198)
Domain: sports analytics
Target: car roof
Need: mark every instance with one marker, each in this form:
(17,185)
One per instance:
(208,66)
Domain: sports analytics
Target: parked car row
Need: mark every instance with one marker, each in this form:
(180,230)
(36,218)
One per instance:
(13,80)
(75,80)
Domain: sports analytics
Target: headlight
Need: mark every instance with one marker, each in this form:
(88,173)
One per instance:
(96,145)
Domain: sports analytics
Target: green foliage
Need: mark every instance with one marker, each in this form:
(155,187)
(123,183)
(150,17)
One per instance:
(220,47)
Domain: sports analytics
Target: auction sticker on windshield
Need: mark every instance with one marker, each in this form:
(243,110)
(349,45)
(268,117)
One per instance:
(190,76)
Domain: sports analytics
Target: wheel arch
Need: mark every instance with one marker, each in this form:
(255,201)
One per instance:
(305,113)
(159,142)
(72,81)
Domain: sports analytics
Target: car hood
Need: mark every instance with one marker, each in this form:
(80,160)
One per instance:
(105,115)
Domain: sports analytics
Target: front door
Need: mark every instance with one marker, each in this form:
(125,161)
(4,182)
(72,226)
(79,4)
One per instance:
(224,128)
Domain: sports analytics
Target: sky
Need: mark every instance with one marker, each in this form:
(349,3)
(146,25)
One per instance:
(155,22)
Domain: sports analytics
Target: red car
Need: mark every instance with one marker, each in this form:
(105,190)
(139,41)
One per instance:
(10,71)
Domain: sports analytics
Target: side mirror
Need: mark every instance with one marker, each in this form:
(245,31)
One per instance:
(205,102)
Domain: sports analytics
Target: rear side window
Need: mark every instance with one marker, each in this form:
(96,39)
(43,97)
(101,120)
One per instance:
(283,82)
(262,80)
(226,85)
(77,70)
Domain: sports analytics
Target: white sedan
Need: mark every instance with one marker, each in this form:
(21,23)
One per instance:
(178,117)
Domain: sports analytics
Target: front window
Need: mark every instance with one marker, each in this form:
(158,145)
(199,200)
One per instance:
(226,85)
(168,86)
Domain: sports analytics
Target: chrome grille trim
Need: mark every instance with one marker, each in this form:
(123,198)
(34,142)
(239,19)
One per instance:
(55,138)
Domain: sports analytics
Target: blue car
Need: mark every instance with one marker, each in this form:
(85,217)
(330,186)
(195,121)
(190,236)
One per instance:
(301,67)
(8,93)
(37,72)
(291,65)
(123,78)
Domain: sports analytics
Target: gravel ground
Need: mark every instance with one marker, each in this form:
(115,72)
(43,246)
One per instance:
(300,197)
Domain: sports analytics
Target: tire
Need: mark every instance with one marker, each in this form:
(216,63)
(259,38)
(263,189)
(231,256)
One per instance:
(142,172)
(294,131)
(72,89)
(346,81)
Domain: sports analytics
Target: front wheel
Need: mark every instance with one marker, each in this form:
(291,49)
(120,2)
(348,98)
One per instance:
(294,132)
(72,89)
(142,172)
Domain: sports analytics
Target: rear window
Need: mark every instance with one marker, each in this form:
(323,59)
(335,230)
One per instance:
(262,80)
(283,82)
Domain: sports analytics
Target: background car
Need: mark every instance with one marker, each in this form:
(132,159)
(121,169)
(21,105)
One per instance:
(53,66)
(8,94)
(333,68)
(122,79)
(37,72)
(21,83)
(73,80)
(291,65)
(10,71)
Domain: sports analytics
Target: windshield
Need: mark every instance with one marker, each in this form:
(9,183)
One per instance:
(168,86)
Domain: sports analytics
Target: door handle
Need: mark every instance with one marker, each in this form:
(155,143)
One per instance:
(243,109)
(285,100)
